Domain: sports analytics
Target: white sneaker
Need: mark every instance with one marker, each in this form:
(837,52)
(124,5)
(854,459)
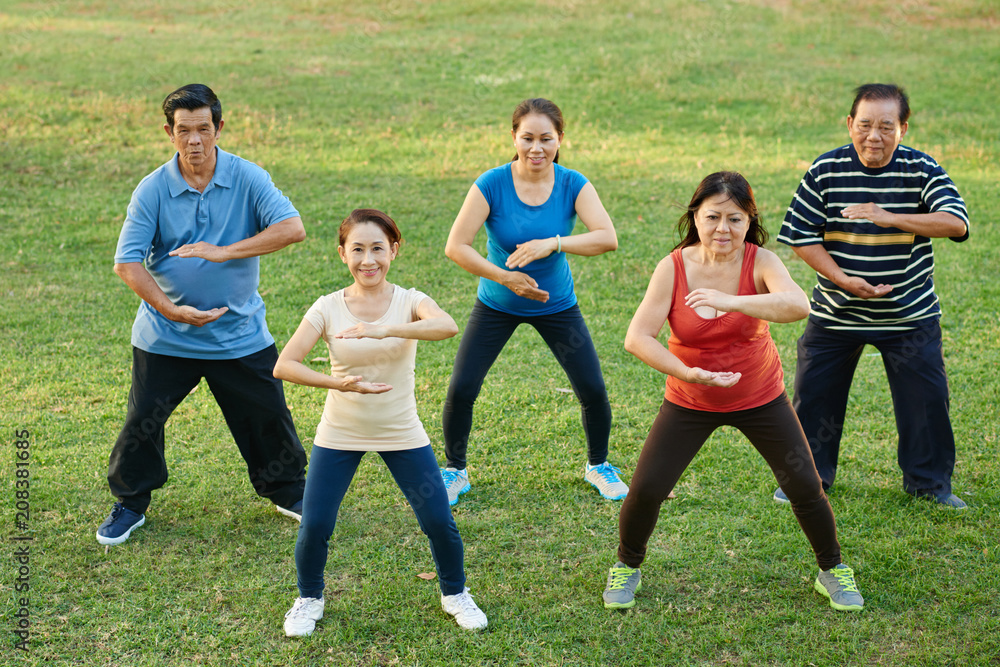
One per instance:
(605,478)
(464,609)
(300,620)
(456,482)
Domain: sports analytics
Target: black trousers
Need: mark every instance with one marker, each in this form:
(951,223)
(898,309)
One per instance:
(252,402)
(676,436)
(914,365)
(486,334)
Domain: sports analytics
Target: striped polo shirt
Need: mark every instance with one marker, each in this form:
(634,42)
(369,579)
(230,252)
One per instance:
(912,182)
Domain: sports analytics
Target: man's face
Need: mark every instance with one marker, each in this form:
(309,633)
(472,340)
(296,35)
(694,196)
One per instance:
(875,131)
(194,136)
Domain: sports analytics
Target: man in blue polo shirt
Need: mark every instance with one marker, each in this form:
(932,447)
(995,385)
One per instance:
(863,217)
(190,248)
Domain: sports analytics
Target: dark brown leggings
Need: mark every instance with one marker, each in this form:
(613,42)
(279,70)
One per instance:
(676,436)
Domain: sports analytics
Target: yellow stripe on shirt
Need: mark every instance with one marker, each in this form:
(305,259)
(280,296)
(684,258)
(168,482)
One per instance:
(869,239)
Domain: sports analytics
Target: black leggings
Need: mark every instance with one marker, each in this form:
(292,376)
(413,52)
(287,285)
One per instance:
(486,334)
(676,436)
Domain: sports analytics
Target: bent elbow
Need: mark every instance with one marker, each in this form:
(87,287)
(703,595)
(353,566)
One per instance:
(630,345)
(799,310)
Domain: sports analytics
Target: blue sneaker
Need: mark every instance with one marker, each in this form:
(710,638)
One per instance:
(605,479)
(119,525)
(295,511)
(780,497)
(456,482)
(947,499)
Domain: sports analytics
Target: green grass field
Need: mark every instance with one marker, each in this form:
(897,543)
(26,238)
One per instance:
(400,105)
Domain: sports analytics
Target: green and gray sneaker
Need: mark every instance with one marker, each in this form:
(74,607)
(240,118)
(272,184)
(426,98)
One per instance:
(838,585)
(623,583)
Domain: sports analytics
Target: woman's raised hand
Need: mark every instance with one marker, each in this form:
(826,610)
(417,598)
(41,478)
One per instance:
(529,251)
(363,330)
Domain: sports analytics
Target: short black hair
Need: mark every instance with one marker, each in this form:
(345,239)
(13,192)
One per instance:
(883,91)
(192,96)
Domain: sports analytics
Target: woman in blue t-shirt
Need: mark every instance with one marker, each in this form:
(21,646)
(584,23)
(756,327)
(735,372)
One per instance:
(529,207)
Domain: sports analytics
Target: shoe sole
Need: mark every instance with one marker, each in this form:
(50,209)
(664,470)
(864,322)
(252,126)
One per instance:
(604,495)
(623,605)
(821,589)
(947,504)
(112,541)
(288,513)
(300,634)
(465,489)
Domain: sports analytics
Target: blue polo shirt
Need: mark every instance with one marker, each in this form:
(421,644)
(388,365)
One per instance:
(164,214)
(511,221)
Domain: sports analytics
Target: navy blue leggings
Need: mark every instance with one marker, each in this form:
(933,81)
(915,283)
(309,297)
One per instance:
(486,334)
(416,472)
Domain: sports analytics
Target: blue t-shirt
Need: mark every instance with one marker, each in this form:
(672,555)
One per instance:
(511,221)
(164,214)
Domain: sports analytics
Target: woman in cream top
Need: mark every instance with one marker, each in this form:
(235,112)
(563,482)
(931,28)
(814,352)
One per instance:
(371,329)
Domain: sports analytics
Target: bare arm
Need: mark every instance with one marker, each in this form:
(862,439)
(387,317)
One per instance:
(432,323)
(931,225)
(643,331)
(469,221)
(135,275)
(290,367)
(820,260)
(783,301)
(599,238)
(272,239)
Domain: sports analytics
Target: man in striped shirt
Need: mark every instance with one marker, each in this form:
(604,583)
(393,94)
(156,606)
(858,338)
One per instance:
(863,217)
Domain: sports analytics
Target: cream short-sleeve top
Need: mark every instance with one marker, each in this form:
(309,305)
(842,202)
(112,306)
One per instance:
(370,422)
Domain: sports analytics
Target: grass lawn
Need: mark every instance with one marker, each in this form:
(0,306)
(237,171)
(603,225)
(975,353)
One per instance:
(401,105)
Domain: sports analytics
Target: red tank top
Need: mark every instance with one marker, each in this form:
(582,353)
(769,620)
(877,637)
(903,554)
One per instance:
(732,342)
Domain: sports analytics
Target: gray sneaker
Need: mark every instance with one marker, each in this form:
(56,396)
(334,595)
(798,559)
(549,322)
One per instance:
(780,497)
(623,583)
(838,585)
(456,482)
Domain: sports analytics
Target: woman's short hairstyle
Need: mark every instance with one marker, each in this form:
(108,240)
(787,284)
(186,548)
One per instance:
(729,183)
(373,216)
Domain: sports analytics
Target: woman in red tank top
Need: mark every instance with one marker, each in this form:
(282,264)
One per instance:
(717,291)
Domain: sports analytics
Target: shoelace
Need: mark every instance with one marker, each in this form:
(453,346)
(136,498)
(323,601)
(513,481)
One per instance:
(620,577)
(298,609)
(608,472)
(450,476)
(465,602)
(845,577)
